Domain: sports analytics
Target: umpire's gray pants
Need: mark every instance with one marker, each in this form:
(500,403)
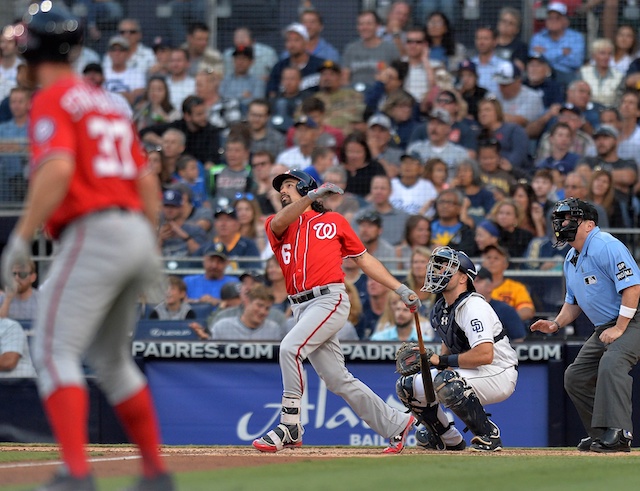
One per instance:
(599,383)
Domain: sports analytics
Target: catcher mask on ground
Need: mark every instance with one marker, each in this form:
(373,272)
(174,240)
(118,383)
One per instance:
(443,264)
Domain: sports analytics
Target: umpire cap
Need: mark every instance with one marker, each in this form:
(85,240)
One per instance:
(306,182)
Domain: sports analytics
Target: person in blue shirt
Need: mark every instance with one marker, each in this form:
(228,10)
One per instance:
(206,287)
(402,325)
(603,281)
(14,146)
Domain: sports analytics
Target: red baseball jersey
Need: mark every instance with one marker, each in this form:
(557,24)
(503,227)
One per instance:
(90,125)
(311,250)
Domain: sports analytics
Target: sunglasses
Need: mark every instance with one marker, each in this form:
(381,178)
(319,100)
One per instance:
(21,274)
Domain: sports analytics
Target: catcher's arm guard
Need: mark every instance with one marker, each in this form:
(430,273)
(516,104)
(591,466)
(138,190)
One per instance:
(408,358)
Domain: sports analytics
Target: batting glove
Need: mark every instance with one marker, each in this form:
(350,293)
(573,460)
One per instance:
(409,297)
(326,188)
(17,252)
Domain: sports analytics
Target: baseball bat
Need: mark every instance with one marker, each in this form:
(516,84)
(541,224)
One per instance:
(425,366)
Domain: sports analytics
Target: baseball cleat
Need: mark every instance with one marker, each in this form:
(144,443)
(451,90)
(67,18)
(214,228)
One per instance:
(63,481)
(396,443)
(282,436)
(426,439)
(161,482)
(487,443)
(585,444)
(613,440)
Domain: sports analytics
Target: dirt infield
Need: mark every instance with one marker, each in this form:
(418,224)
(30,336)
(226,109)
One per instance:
(123,461)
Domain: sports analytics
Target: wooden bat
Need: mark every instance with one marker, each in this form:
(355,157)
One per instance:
(425,366)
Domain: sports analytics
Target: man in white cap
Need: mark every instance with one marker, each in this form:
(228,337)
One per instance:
(296,38)
(561,46)
(437,143)
(520,103)
(380,134)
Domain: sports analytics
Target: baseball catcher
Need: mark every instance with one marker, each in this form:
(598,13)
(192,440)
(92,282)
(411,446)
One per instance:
(476,365)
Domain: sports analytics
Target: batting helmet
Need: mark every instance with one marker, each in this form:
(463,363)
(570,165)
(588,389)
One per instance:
(577,211)
(443,264)
(305,182)
(47,33)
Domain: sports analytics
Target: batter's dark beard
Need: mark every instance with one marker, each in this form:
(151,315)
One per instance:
(318,206)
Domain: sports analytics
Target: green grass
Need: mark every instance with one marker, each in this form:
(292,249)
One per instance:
(496,472)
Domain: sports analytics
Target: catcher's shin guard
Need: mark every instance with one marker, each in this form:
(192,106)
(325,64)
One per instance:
(453,392)
(426,414)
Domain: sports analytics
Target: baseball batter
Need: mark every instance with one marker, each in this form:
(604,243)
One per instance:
(310,244)
(603,281)
(91,189)
(476,365)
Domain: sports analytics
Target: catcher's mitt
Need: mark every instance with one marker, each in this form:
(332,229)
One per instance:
(408,358)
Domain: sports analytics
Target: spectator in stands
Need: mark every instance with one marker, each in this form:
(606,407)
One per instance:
(102,17)
(162,56)
(397,20)
(201,138)
(322,159)
(317,45)
(239,84)
(507,215)
(172,145)
(264,138)
(253,323)
(495,259)
(410,191)
(561,45)
(453,226)
(155,105)
(403,111)
(264,171)
(181,83)
(21,303)
(307,133)
(202,216)
(250,219)
(601,191)
(576,185)
(468,179)
(346,204)
(372,307)
(543,189)
(438,144)
(397,323)
(118,77)
(274,279)
(370,233)
(520,104)
(199,53)
(492,166)
(420,77)
(487,233)
(387,80)
(174,306)
(509,46)
(296,37)
(23,81)
(601,77)
(417,233)
(486,60)
(178,236)
(581,143)
(230,296)
(287,101)
(379,140)
(531,212)
(227,233)
(393,219)
(14,147)
(362,58)
(441,40)
(437,172)
(625,48)
(562,160)
(538,76)
(344,106)
(9,59)
(470,91)
(189,175)
(508,316)
(513,151)
(265,57)
(579,94)
(15,360)
(221,112)
(141,58)
(226,181)
(629,138)
(206,287)
(329,136)
(360,167)
(416,277)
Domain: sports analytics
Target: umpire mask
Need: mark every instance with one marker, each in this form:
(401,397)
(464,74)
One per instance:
(573,211)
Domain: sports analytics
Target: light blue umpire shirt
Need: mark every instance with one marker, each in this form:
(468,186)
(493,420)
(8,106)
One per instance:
(602,270)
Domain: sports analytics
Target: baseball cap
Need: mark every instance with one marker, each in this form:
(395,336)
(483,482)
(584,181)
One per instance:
(441,115)
(570,107)
(225,210)
(330,65)
(230,290)
(411,156)
(256,275)
(172,197)
(242,50)
(93,68)
(119,41)
(379,120)
(559,7)
(490,227)
(305,120)
(507,73)
(216,249)
(499,249)
(484,274)
(468,65)
(606,130)
(537,56)
(370,216)
(160,43)
(297,28)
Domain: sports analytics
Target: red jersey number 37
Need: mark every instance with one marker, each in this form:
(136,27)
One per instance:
(115,138)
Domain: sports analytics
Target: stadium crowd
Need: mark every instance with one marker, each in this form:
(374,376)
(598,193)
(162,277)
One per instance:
(435,143)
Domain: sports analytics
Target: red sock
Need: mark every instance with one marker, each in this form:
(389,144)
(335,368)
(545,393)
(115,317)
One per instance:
(67,409)
(138,417)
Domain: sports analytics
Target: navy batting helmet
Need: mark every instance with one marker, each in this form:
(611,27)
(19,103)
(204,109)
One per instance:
(443,264)
(574,211)
(305,182)
(47,33)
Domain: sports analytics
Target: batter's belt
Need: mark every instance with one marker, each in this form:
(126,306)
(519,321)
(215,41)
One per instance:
(307,295)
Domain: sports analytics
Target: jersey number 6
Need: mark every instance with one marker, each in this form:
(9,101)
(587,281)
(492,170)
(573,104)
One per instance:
(286,253)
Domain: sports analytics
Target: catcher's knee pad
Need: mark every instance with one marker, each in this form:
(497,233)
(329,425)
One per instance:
(427,414)
(404,389)
(450,387)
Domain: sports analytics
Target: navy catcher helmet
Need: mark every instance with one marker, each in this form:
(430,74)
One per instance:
(305,182)
(47,33)
(574,211)
(443,264)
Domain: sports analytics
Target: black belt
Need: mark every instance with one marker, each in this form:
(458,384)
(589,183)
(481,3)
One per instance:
(308,295)
(120,209)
